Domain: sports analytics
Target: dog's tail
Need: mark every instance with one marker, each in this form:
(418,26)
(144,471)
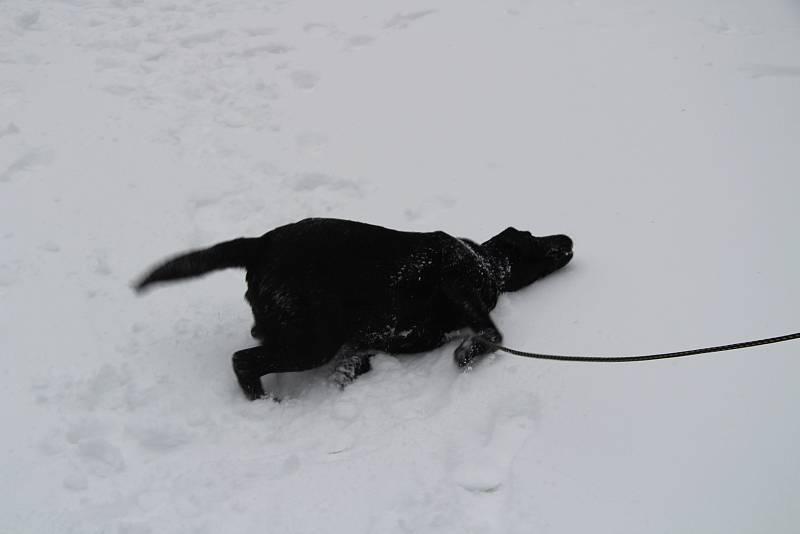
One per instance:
(236,253)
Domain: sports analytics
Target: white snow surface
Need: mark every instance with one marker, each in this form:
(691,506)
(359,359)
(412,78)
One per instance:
(662,136)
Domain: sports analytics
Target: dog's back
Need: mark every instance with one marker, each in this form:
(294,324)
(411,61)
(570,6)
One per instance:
(350,258)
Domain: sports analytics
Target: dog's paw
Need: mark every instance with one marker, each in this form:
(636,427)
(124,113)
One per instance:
(349,368)
(466,352)
(472,348)
(341,378)
(252,388)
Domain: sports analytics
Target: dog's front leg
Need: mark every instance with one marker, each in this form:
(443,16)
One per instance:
(471,349)
(350,363)
(478,320)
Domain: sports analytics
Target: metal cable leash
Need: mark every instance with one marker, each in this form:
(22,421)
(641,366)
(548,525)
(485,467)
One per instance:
(618,359)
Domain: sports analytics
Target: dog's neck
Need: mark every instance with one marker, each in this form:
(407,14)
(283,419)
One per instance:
(499,261)
(495,261)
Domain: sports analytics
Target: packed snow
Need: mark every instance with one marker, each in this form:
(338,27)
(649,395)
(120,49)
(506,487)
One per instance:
(662,137)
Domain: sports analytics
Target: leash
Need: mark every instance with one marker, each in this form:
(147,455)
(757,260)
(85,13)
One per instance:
(622,359)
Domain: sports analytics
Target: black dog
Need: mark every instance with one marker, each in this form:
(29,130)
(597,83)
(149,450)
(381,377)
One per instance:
(325,288)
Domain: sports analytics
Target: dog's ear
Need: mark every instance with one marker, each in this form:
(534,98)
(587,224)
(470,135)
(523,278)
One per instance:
(507,240)
(509,236)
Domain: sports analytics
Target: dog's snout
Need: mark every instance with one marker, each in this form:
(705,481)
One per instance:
(559,243)
(559,249)
(563,242)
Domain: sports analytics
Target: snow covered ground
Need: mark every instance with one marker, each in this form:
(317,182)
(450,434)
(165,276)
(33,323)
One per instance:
(662,136)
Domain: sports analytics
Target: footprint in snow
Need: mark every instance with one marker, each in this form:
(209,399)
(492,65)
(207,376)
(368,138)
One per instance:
(84,430)
(50,246)
(11,129)
(488,469)
(190,41)
(158,437)
(266,49)
(76,481)
(311,143)
(100,457)
(304,79)
(27,161)
(95,454)
(108,63)
(28,19)
(259,31)
(359,41)
(402,21)
(316,29)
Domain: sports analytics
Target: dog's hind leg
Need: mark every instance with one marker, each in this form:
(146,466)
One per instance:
(250,365)
(350,364)
(253,363)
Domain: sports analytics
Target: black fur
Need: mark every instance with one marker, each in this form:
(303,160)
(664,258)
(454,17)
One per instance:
(326,288)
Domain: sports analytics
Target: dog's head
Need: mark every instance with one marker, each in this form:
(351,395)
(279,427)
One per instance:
(529,257)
